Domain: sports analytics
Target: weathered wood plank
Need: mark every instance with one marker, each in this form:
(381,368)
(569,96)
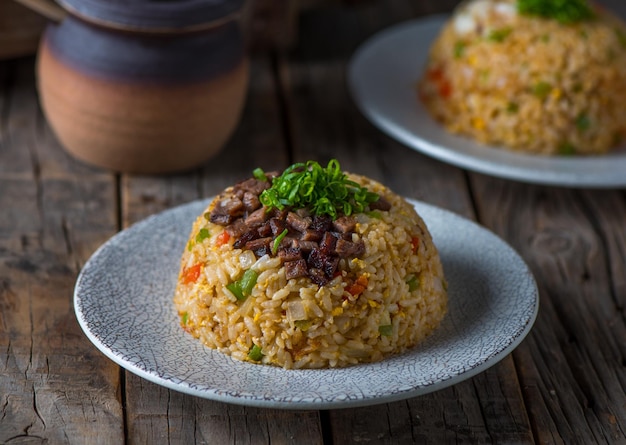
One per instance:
(54,385)
(571,367)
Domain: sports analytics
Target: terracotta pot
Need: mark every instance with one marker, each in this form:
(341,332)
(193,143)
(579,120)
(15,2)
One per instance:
(144,86)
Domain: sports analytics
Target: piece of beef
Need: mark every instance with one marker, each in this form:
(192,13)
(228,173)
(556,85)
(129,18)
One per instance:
(304,245)
(346,249)
(245,238)
(295,269)
(250,202)
(260,246)
(297,222)
(290,253)
(237,228)
(226,211)
(277,225)
(344,224)
(253,185)
(311,235)
(380,204)
(321,223)
(256,218)
(265,229)
(328,243)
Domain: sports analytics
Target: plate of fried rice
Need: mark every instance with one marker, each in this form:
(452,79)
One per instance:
(542,132)
(123,301)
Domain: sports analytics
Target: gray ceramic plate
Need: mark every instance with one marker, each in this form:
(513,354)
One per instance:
(123,302)
(382,77)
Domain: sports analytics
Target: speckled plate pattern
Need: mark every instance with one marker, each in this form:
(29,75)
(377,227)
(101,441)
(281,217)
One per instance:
(124,303)
(382,79)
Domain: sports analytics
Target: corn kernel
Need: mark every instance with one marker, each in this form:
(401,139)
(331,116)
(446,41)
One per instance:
(478,123)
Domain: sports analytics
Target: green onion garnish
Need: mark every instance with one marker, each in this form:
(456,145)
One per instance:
(202,235)
(583,122)
(499,35)
(303,325)
(322,190)
(564,11)
(542,89)
(277,241)
(386,330)
(413,282)
(242,288)
(255,353)
(259,174)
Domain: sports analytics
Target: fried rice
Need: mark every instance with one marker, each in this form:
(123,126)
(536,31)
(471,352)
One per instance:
(381,301)
(532,84)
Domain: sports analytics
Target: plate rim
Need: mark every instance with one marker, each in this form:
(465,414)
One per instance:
(494,161)
(253,400)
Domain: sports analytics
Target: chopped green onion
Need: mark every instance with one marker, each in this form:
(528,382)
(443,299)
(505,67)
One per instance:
(259,174)
(375,214)
(255,353)
(564,11)
(207,216)
(303,325)
(235,288)
(499,35)
(248,281)
(459,49)
(386,330)
(202,235)
(242,288)
(583,122)
(185,318)
(190,245)
(413,282)
(322,190)
(512,107)
(542,89)
(277,241)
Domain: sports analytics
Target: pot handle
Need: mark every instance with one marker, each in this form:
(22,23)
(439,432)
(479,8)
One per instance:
(47,8)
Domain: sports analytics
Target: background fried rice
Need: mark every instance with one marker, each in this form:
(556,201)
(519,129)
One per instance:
(531,84)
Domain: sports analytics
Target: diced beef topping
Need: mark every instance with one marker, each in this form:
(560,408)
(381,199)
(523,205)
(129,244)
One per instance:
(296,269)
(290,254)
(344,224)
(297,222)
(227,210)
(347,249)
(312,245)
(380,204)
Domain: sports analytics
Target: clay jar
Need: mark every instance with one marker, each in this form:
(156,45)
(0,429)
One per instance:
(144,86)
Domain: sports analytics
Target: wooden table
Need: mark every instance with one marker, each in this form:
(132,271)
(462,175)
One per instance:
(564,384)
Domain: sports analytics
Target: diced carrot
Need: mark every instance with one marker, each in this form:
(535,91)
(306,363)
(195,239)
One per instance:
(362,280)
(415,243)
(222,238)
(358,286)
(191,274)
(445,89)
(355,289)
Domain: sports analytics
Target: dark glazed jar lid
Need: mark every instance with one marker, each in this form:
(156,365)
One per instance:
(153,15)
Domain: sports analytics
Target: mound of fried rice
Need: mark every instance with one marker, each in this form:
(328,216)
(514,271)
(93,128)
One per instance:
(528,83)
(297,323)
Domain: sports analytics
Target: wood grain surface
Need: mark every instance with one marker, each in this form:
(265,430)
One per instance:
(565,384)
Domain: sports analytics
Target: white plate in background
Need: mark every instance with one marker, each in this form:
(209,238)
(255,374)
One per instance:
(382,78)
